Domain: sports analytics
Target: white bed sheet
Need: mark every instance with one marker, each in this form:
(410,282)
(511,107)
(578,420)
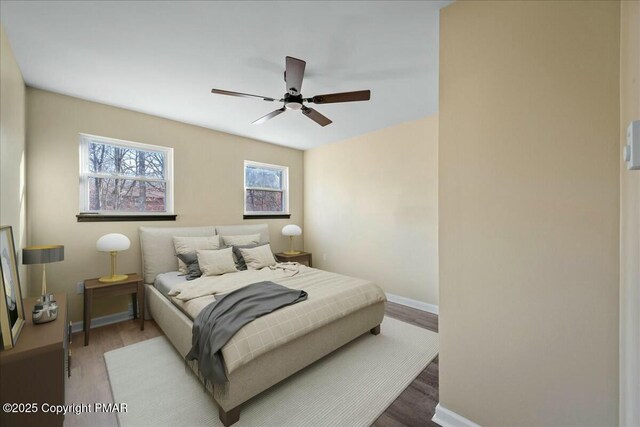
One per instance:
(166,281)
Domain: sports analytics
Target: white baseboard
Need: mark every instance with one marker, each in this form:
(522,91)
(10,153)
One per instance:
(104,320)
(447,418)
(430,308)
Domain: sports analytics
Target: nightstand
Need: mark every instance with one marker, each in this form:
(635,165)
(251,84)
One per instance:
(34,371)
(133,285)
(302,258)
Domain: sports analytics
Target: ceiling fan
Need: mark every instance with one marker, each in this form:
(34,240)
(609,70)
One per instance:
(293,99)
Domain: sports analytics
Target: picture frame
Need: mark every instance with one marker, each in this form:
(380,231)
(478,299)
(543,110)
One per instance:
(11,307)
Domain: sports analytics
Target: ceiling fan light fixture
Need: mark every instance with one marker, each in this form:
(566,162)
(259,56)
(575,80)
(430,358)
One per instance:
(293,106)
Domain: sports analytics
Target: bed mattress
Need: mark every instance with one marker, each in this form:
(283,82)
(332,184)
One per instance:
(166,281)
(330,296)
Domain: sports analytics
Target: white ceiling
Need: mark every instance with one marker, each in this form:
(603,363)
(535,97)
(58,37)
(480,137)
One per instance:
(163,58)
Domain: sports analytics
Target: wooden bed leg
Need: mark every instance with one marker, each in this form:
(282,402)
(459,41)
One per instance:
(229,417)
(376,330)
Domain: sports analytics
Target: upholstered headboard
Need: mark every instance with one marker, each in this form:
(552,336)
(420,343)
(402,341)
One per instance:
(158,252)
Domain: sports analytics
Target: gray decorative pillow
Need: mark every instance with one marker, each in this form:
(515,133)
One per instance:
(241,264)
(191,261)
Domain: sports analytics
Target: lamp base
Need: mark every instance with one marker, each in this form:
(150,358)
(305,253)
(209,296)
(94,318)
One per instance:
(45,310)
(292,252)
(114,278)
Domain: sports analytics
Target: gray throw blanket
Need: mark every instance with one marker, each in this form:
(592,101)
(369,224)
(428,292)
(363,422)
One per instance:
(218,322)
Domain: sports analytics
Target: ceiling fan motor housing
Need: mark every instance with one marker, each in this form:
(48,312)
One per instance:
(292,102)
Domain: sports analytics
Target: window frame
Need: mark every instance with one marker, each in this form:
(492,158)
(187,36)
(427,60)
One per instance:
(84,175)
(285,191)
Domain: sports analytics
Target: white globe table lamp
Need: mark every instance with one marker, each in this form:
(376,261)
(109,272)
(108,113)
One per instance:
(113,243)
(291,230)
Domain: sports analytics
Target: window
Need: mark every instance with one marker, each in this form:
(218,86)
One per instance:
(124,178)
(266,190)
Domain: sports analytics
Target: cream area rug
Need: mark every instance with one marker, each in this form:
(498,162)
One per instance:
(350,387)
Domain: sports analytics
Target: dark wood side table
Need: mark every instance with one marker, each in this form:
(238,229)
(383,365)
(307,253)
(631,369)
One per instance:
(34,372)
(302,258)
(131,285)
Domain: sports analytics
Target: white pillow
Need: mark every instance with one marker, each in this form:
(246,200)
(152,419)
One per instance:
(185,245)
(216,262)
(246,239)
(258,257)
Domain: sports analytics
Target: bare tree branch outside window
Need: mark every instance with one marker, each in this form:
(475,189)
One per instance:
(124,179)
(265,188)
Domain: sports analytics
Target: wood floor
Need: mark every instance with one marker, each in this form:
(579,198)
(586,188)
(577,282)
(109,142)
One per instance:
(417,403)
(89,383)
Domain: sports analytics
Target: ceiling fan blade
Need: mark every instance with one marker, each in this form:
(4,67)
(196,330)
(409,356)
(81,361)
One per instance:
(329,98)
(269,116)
(315,116)
(243,95)
(293,75)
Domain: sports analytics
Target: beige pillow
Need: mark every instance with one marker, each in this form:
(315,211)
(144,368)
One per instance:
(258,257)
(247,239)
(216,262)
(185,245)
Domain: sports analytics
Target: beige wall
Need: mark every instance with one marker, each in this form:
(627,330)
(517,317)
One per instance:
(529,212)
(629,220)
(371,208)
(208,170)
(12,150)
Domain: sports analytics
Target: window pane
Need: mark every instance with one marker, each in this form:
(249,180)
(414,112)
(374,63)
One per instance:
(264,201)
(105,158)
(126,195)
(263,177)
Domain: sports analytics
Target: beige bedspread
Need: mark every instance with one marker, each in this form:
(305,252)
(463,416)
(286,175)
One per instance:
(330,297)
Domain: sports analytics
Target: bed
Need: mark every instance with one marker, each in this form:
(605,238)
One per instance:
(254,371)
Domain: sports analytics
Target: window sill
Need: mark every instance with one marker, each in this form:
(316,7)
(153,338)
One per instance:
(119,218)
(258,216)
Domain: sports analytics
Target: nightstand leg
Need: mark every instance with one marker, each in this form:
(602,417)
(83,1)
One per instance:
(141,303)
(88,299)
(134,304)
